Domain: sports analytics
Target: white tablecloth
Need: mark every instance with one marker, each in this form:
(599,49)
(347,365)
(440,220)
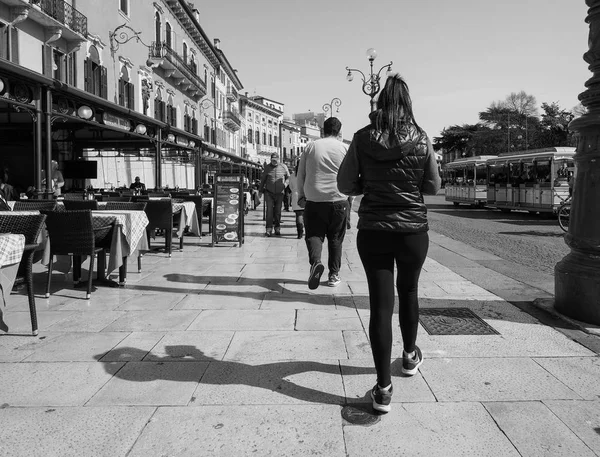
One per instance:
(11,251)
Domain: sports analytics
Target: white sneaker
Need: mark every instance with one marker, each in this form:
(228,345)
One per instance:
(334,280)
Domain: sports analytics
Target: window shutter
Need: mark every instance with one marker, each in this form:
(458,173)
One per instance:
(121,92)
(130,95)
(87,75)
(103,83)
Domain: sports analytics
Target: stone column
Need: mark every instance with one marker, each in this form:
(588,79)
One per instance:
(577,276)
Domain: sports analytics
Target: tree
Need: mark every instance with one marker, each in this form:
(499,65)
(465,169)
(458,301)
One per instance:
(554,126)
(521,103)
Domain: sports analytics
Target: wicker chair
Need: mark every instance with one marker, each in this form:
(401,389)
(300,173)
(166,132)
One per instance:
(74,205)
(48,205)
(125,206)
(117,199)
(72,233)
(29,225)
(160,216)
(74,196)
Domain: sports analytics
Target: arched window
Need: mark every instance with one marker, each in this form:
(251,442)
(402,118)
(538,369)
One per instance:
(157,28)
(95,75)
(168,34)
(187,124)
(193,65)
(185,53)
(250,136)
(125,89)
(257,137)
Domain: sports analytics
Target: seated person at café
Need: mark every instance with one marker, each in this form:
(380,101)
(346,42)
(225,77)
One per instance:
(137,185)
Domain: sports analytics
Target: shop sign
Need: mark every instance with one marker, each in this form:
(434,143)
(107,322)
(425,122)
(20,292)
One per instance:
(115,121)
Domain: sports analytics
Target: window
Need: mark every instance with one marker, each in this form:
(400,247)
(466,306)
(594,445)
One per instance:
(168,35)
(275,141)
(159,107)
(185,53)
(157,28)
(194,125)
(250,136)
(126,92)
(171,113)
(257,137)
(95,75)
(124,7)
(193,65)
(146,91)
(206,132)
(264,138)
(270,140)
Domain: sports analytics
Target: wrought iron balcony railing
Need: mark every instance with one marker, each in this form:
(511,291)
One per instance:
(231,119)
(162,50)
(63,13)
(232,94)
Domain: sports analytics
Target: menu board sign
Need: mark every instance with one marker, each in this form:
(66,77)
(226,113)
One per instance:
(228,209)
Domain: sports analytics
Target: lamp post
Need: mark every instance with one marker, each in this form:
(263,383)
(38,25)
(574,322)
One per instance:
(328,107)
(577,276)
(370,85)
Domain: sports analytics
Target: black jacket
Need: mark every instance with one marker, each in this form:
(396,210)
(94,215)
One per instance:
(392,175)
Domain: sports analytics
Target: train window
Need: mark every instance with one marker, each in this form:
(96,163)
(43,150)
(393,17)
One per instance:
(481,173)
(469,175)
(514,173)
(542,171)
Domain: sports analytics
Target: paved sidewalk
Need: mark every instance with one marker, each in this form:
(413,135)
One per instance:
(224,351)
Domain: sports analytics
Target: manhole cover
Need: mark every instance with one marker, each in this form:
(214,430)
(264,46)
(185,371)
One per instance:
(453,321)
(355,415)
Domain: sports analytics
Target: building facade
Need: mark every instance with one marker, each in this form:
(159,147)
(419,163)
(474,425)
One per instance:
(262,117)
(120,83)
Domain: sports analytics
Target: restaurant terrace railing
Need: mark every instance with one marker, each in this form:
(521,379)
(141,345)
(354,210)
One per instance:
(64,13)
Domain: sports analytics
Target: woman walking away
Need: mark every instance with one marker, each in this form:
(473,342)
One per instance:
(296,208)
(391,162)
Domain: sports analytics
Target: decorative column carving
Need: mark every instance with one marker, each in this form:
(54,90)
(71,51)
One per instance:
(577,276)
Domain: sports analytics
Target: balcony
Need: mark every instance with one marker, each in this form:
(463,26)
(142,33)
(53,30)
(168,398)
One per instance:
(231,120)
(175,67)
(61,12)
(232,94)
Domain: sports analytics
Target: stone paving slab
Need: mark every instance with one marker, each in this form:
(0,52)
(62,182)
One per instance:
(270,383)
(536,430)
(75,431)
(581,417)
(216,299)
(492,379)
(431,430)
(75,347)
(244,320)
(581,374)
(53,384)
(150,383)
(290,430)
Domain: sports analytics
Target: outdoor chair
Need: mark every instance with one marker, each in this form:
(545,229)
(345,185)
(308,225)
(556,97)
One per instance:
(117,199)
(29,225)
(74,196)
(124,206)
(159,194)
(48,205)
(160,216)
(74,205)
(71,233)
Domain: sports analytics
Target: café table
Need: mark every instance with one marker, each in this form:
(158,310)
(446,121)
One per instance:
(11,251)
(128,238)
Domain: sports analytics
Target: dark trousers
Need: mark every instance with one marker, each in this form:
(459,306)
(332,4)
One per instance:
(325,220)
(378,251)
(299,221)
(273,208)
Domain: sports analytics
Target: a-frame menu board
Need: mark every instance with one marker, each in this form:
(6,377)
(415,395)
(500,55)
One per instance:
(228,209)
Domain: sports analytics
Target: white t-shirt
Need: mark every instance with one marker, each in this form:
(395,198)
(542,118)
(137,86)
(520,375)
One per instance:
(318,169)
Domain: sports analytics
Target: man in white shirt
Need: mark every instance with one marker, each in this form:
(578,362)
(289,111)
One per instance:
(325,212)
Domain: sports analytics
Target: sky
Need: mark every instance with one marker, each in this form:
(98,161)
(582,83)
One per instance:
(457,56)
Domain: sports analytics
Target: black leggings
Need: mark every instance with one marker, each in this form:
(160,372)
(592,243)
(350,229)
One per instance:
(378,250)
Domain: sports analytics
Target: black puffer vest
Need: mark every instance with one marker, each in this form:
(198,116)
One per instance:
(391,179)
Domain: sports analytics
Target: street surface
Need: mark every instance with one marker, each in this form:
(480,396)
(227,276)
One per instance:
(534,241)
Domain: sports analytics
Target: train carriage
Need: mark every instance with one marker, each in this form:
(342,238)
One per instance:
(466,180)
(537,180)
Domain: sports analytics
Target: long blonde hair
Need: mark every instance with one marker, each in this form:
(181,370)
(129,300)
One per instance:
(394,107)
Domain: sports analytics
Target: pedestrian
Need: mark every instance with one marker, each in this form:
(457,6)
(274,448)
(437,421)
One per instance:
(325,211)
(392,164)
(296,207)
(287,198)
(272,185)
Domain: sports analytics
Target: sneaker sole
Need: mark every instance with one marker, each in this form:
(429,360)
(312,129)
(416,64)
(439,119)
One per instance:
(380,408)
(315,277)
(331,284)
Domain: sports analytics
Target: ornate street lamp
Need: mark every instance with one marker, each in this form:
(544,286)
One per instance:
(121,35)
(328,107)
(370,85)
(577,276)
